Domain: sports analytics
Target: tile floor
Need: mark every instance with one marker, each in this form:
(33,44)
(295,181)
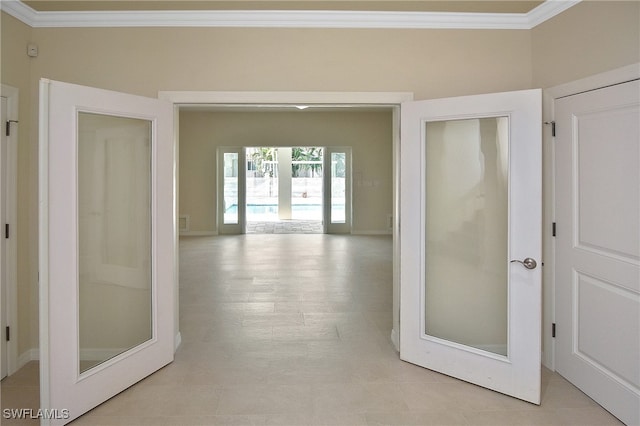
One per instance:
(293,226)
(294,330)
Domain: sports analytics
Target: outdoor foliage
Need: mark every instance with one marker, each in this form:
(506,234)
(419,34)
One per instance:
(307,154)
(264,160)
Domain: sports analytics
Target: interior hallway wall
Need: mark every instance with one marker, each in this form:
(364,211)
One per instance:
(15,70)
(590,38)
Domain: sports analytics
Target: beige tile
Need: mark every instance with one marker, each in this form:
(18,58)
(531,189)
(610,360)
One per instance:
(188,420)
(289,419)
(357,398)
(305,333)
(272,319)
(294,330)
(261,399)
(513,417)
(562,394)
(426,397)
(309,371)
(26,397)
(590,416)
(427,418)
(339,419)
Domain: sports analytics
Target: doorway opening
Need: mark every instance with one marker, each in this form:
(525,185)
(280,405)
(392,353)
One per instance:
(284,190)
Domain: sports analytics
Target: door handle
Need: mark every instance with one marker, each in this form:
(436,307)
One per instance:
(528,263)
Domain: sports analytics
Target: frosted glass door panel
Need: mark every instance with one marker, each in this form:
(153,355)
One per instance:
(338,186)
(466,229)
(114,233)
(230,188)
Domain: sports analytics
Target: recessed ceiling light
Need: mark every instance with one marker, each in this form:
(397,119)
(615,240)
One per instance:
(301,107)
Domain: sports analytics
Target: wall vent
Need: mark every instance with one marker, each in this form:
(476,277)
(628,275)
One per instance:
(183,223)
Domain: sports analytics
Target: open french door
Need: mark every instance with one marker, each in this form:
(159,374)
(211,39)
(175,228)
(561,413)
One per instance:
(471,214)
(107,244)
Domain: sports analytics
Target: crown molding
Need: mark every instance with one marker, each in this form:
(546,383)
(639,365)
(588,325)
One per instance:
(287,18)
(548,10)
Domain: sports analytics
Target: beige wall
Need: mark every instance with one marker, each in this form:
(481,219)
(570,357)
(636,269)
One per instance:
(15,71)
(588,38)
(431,63)
(368,133)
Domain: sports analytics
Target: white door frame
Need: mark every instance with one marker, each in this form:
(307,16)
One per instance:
(327,174)
(391,99)
(619,75)
(240,226)
(10,306)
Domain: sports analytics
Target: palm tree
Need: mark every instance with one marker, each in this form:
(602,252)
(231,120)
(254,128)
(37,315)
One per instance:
(264,158)
(306,154)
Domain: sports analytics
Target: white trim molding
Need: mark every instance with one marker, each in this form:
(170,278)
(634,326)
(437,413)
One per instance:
(187,98)
(286,18)
(28,356)
(198,234)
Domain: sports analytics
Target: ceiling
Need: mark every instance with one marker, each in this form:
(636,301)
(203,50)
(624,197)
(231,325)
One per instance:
(473,6)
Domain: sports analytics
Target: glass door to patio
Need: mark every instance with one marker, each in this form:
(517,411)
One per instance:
(284,189)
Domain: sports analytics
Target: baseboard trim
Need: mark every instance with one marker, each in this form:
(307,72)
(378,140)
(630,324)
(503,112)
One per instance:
(177,341)
(371,232)
(28,356)
(198,234)
(395,340)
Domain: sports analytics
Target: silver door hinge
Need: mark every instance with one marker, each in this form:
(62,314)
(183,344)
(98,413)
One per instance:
(7,129)
(553,127)
(7,333)
(553,330)
(553,229)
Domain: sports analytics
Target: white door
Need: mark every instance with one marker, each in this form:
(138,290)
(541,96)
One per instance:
(337,190)
(3,249)
(107,244)
(470,236)
(598,245)
(231,199)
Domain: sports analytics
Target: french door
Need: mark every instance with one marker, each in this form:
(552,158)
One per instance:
(337,190)
(231,199)
(470,238)
(107,244)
